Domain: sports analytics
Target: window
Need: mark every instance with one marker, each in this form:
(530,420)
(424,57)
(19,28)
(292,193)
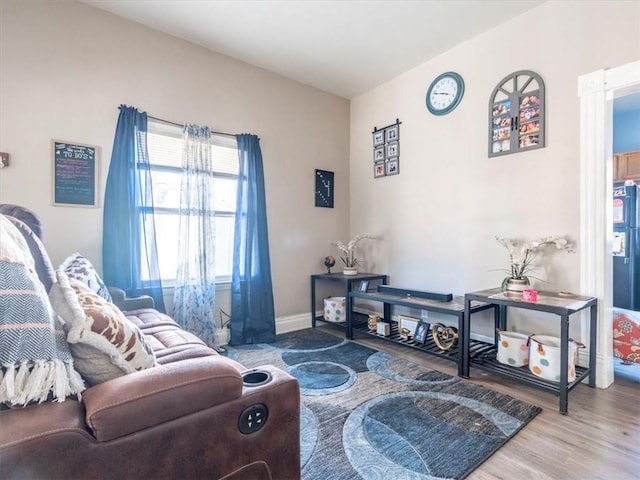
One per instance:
(164,143)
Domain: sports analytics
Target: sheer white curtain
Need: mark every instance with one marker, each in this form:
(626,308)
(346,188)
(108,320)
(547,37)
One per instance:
(194,297)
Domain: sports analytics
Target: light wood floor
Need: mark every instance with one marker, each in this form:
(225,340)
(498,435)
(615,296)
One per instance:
(598,439)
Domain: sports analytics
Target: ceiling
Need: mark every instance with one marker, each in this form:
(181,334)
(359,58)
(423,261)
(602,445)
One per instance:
(345,47)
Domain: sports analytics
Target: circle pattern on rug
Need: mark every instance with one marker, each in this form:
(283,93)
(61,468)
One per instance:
(322,378)
(385,365)
(376,450)
(308,434)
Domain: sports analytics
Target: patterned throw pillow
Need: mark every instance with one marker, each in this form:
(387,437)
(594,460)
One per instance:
(104,343)
(80,268)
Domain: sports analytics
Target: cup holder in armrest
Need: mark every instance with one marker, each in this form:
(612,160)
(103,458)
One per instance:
(255,378)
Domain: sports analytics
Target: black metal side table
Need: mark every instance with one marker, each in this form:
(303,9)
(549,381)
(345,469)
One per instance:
(347,282)
(483,355)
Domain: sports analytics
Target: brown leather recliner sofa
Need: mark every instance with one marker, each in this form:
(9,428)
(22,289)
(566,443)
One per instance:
(190,417)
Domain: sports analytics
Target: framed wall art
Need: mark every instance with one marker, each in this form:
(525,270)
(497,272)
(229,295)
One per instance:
(378,154)
(325,188)
(386,150)
(378,138)
(393,167)
(517,114)
(75,174)
(392,133)
(393,150)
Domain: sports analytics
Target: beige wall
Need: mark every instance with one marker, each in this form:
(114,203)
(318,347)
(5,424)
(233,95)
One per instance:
(440,215)
(64,69)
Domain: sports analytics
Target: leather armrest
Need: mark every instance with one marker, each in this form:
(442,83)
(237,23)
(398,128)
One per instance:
(150,397)
(126,304)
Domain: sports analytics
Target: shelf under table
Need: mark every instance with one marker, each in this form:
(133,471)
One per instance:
(428,346)
(483,356)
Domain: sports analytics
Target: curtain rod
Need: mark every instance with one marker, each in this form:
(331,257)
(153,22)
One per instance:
(182,125)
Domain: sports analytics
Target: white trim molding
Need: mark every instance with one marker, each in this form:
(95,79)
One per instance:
(597,91)
(283,325)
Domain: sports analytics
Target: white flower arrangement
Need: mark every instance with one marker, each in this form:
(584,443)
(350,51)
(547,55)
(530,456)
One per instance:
(349,258)
(522,256)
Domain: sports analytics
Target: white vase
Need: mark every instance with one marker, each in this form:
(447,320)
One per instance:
(349,271)
(516,285)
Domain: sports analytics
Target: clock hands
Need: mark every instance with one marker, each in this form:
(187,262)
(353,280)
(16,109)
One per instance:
(444,93)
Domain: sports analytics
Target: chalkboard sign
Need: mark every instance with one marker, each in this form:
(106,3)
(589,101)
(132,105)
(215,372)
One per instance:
(75,179)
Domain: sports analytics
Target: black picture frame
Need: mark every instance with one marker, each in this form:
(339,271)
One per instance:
(364,286)
(421,332)
(325,187)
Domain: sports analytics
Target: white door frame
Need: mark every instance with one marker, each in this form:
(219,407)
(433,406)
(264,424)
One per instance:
(597,91)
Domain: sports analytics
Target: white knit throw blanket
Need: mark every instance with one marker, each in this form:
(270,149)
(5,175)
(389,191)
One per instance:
(36,364)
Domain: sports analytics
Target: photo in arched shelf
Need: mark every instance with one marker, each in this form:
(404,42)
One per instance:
(517,114)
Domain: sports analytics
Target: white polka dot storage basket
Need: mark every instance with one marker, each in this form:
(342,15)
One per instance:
(335,309)
(544,357)
(513,349)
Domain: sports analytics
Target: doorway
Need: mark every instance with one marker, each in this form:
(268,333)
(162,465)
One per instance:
(597,90)
(626,262)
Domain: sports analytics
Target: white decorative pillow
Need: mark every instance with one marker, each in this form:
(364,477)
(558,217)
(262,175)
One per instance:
(80,268)
(104,343)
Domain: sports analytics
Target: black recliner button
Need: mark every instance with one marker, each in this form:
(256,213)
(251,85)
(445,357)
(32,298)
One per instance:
(253,418)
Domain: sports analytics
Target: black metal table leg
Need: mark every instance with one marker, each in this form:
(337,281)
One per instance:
(593,345)
(313,302)
(349,317)
(465,329)
(564,362)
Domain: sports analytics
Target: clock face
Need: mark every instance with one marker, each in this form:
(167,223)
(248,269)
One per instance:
(324,188)
(445,93)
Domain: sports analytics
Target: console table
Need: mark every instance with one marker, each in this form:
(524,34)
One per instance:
(483,355)
(346,281)
(434,302)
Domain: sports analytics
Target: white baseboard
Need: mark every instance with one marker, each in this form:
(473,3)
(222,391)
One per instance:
(293,323)
(283,325)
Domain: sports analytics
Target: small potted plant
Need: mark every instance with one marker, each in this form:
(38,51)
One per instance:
(521,257)
(349,259)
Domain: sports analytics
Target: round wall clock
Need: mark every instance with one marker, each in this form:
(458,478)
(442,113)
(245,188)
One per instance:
(445,93)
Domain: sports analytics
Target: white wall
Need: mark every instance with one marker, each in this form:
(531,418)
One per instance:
(440,215)
(64,69)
